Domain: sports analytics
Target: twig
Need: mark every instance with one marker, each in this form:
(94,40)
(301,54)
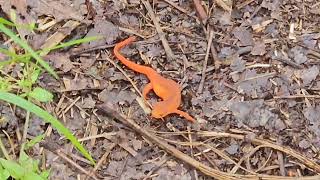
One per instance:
(288,62)
(223,5)
(313,53)
(205,63)
(198,165)
(63,156)
(179,8)
(165,159)
(297,96)
(281,163)
(309,163)
(130,31)
(102,159)
(167,49)
(257,77)
(241,5)
(13,152)
(25,130)
(200,11)
(253,14)
(4,150)
(81,51)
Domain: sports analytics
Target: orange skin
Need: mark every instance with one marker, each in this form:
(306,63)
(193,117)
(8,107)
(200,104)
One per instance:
(168,90)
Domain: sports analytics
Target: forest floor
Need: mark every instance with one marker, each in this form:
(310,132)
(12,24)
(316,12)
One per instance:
(249,74)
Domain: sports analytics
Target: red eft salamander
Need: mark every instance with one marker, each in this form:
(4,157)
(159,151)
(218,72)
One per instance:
(168,90)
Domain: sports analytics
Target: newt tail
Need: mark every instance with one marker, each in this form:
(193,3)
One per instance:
(136,67)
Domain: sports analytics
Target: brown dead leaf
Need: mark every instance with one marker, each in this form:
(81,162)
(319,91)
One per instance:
(129,21)
(87,62)
(310,74)
(315,10)
(87,103)
(298,54)
(106,29)
(255,114)
(137,144)
(75,84)
(312,115)
(60,9)
(115,97)
(60,61)
(258,49)
(244,36)
(19,7)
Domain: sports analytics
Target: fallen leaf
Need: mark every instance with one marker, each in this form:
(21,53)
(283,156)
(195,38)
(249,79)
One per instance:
(137,144)
(75,84)
(60,61)
(232,149)
(309,75)
(298,54)
(258,49)
(105,29)
(244,36)
(60,9)
(238,64)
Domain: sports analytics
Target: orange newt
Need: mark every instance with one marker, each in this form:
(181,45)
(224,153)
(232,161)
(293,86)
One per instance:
(168,90)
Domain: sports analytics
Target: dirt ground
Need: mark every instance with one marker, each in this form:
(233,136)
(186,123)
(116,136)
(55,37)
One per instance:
(249,76)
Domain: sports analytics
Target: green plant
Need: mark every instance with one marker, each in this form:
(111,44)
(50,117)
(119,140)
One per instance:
(23,91)
(25,168)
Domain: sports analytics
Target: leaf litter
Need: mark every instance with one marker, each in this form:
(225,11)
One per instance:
(251,93)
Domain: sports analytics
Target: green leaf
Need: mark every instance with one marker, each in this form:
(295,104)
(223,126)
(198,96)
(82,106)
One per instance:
(30,26)
(25,46)
(74,42)
(14,99)
(45,174)
(35,75)
(34,141)
(6,22)
(29,164)
(41,94)
(33,176)
(15,170)
(4,174)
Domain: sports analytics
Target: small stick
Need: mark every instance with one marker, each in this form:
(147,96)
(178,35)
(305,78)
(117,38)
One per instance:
(176,6)
(297,96)
(102,159)
(223,5)
(204,68)
(288,62)
(64,157)
(241,5)
(167,49)
(82,51)
(281,163)
(200,10)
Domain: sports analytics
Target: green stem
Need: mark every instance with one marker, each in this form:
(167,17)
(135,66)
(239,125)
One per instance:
(4,150)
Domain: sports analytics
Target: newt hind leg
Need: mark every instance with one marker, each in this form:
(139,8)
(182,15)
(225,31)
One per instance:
(185,115)
(146,90)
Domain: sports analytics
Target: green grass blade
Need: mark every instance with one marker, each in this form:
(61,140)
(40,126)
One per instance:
(24,26)
(74,42)
(24,45)
(6,22)
(17,100)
